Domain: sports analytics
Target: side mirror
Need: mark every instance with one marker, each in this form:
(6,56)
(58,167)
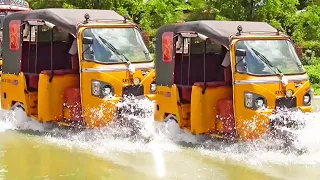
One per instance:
(87,40)
(50,25)
(241,52)
(203,37)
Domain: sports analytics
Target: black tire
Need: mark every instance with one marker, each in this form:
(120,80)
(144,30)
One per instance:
(18,106)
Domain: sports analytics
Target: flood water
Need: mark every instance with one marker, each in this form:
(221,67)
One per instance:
(30,150)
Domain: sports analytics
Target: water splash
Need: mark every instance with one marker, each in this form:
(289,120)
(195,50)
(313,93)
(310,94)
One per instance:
(143,134)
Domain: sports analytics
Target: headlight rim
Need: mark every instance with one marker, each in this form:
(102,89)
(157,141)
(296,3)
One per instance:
(102,86)
(255,97)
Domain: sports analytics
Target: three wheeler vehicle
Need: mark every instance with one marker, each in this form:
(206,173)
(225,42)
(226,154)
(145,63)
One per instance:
(227,78)
(73,66)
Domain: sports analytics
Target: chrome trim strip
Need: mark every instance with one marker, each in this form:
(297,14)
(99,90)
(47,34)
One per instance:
(271,81)
(116,69)
(103,69)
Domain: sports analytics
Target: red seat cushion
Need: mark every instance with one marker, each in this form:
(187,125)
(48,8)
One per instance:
(185,92)
(60,72)
(73,101)
(213,84)
(72,96)
(225,107)
(33,80)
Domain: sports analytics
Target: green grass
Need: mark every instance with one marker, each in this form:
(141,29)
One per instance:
(316,88)
(313,72)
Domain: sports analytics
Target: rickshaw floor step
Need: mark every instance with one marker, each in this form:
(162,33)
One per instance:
(187,128)
(34,116)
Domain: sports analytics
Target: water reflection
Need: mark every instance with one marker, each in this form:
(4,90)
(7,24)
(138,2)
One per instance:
(26,157)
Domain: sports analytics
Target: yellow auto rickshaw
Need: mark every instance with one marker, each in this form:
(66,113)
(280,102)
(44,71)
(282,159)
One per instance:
(72,66)
(226,78)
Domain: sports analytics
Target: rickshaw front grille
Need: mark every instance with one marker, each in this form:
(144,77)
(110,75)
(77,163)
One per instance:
(133,90)
(285,102)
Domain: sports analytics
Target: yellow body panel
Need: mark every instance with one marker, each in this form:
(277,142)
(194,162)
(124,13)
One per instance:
(167,99)
(12,90)
(204,107)
(51,95)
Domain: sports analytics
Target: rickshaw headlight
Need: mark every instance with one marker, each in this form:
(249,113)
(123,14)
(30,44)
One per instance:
(106,91)
(136,81)
(101,89)
(254,101)
(289,93)
(248,100)
(153,88)
(307,99)
(95,88)
(259,103)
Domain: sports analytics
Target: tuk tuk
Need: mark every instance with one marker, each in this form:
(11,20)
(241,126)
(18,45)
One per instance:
(228,78)
(72,66)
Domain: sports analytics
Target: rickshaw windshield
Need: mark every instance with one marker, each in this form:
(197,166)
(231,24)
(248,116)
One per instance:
(115,45)
(268,57)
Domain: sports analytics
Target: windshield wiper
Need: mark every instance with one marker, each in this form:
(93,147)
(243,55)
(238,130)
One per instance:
(114,50)
(267,62)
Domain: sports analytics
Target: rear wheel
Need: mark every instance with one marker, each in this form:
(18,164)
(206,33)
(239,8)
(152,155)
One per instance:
(19,111)
(19,115)
(18,106)
(172,125)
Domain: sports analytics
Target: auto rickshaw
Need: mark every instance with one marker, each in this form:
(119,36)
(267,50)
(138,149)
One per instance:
(228,78)
(73,66)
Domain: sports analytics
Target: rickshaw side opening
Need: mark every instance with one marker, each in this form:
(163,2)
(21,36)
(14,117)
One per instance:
(199,84)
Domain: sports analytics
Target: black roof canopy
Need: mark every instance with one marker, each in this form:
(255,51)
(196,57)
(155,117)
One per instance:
(220,31)
(67,19)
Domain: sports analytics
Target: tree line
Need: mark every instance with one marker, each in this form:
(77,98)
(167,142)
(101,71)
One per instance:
(298,18)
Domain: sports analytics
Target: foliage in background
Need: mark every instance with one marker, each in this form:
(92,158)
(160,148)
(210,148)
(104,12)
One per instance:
(159,12)
(314,76)
(307,25)
(151,14)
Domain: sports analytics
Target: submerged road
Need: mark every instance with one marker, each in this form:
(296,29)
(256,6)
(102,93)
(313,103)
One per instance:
(39,154)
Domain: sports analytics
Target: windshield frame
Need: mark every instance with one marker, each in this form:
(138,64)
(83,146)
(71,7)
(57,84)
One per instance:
(112,63)
(263,39)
